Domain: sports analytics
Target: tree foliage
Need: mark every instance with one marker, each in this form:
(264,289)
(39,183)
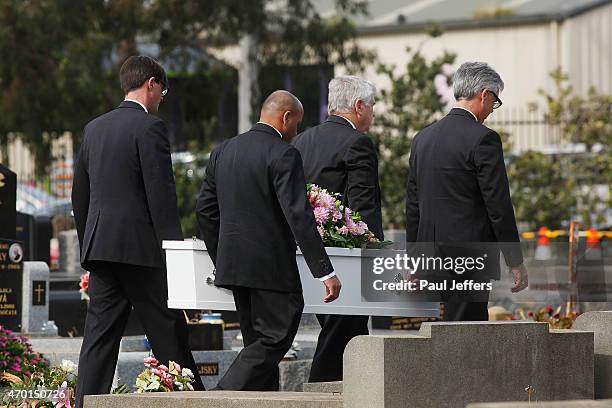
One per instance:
(411,103)
(552,189)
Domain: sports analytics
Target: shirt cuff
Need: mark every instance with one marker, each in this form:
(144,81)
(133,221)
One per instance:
(326,277)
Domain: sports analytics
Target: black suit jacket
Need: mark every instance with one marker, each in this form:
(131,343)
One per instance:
(458,188)
(123,193)
(251,210)
(343,160)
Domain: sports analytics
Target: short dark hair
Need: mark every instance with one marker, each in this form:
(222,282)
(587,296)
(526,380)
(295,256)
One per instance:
(139,68)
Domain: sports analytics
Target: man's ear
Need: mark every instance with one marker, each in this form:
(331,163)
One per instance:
(359,106)
(483,96)
(150,83)
(286,117)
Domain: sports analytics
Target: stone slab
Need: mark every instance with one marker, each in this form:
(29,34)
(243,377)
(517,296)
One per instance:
(216,399)
(451,364)
(600,323)
(293,374)
(334,387)
(34,317)
(132,343)
(549,404)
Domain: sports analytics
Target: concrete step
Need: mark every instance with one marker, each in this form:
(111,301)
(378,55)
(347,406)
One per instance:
(334,387)
(548,404)
(216,399)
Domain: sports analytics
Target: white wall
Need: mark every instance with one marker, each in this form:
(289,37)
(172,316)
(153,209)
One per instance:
(523,55)
(587,45)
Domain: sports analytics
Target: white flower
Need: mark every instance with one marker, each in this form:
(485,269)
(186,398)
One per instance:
(189,386)
(154,385)
(68,366)
(187,373)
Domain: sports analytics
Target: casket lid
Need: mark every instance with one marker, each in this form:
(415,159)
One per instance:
(187,244)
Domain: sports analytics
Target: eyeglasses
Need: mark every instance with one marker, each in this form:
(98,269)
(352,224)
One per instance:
(163,86)
(497,103)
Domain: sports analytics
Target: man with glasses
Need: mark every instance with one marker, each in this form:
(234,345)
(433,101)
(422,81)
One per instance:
(458,192)
(124,202)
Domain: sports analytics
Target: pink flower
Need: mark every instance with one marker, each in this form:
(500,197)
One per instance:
(321,215)
(63,399)
(336,216)
(151,362)
(84,284)
(163,368)
(327,201)
(168,379)
(343,231)
(321,231)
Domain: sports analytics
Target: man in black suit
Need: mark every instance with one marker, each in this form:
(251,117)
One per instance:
(341,158)
(458,188)
(251,210)
(124,202)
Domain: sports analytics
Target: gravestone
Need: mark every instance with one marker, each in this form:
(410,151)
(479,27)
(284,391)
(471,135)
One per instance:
(11,282)
(451,364)
(35,297)
(8,202)
(70,258)
(600,323)
(35,231)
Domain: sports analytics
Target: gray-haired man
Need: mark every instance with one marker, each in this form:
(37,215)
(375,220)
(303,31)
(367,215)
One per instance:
(458,187)
(340,157)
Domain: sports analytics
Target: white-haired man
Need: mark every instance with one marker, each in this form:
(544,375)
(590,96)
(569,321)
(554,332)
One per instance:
(458,197)
(340,157)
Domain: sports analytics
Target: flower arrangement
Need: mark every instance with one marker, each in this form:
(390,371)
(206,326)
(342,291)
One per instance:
(337,224)
(84,286)
(159,378)
(47,387)
(551,316)
(17,357)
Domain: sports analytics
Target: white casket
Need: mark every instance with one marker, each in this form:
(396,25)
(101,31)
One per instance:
(191,285)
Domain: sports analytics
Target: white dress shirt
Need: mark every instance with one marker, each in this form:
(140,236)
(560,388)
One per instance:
(472,113)
(140,103)
(277,131)
(348,120)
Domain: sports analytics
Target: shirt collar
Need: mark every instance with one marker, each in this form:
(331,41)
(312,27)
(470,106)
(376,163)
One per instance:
(140,103)
(277,131)
(348,120)
(472,113)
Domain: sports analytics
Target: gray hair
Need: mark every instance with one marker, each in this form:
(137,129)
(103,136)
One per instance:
(345,90)
(473,77)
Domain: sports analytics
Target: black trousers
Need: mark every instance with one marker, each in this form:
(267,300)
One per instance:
(114,289)
(336,332)
(269,321)
(457,309)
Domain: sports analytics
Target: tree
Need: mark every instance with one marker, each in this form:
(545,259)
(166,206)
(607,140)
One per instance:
(58,66)
(542,192)
(550,190)
(411,103)
(290,33)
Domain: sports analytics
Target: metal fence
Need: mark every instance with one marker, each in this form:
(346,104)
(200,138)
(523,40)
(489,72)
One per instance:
(50,192)
(527,129)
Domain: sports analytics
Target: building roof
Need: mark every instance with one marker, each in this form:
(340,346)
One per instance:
(413,15)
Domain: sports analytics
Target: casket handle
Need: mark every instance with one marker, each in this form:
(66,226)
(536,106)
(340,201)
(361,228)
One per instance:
(210,280)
